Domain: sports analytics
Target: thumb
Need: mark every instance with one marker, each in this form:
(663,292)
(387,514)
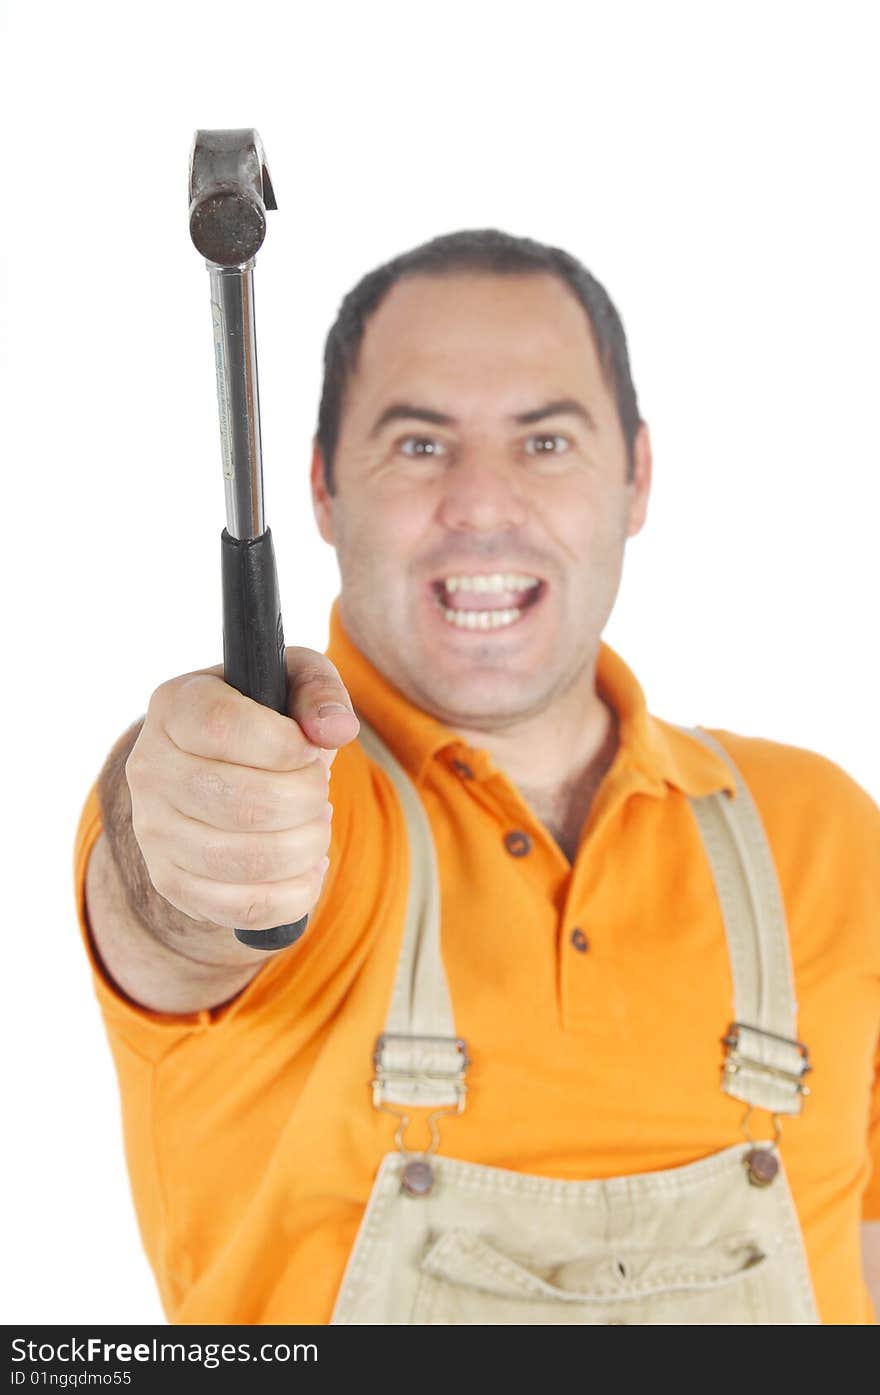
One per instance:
(317,699)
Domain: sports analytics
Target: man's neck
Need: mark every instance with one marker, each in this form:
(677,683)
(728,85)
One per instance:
(557,763)
(564,809)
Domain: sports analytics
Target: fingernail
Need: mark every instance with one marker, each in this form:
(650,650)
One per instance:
(331,709)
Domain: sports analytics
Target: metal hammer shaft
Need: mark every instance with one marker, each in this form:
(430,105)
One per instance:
(238,397)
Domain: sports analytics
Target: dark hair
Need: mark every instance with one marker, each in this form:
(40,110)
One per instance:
(486,250)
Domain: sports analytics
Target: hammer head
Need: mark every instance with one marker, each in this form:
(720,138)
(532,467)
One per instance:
(230,191)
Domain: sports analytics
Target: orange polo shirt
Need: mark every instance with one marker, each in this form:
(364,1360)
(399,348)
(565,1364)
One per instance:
(250,1135)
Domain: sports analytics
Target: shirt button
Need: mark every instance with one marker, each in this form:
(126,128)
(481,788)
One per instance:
(579,940)
(517,843)
(462,768)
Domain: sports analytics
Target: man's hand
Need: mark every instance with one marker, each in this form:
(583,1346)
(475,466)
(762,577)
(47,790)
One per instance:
(215,815)
(229,799)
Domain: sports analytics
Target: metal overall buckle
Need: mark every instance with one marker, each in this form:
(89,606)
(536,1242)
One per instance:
(737,1058)
(417,1176)
(762,1159)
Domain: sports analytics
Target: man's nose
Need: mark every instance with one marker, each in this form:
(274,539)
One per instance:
(481,493)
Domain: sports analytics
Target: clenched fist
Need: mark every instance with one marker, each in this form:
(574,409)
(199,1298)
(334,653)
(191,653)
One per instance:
(229,799)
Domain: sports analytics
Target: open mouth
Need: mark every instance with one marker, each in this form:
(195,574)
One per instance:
(486,602)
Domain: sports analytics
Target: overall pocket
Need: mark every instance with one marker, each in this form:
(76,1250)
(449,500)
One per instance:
(467,1278)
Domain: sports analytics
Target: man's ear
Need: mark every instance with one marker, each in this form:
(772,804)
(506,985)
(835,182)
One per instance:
(320,498)
(640,485)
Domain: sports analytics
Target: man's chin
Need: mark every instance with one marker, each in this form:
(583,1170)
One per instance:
(483,701)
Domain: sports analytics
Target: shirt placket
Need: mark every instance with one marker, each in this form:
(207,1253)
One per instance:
(571,890)
(521,835)
(601,854)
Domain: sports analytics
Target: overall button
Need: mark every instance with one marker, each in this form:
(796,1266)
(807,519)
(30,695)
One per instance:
(417,1178)
(579,940)
(762,1166)
(517,843)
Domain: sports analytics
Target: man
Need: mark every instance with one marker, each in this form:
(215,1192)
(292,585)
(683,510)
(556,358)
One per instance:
(555,1132)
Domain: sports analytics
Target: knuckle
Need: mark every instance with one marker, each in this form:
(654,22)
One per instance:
(160,696)
(308,807)
(322,839)
(320,823)
(254,914)
(166,883)
(220,721)
(169,702)
(318,685)
(251,812)
(206,786)
(314,786)
(144,806)
(309,670)
(142,828)
(302,901)
(296,748)
(135,766)
(298,899)
(304,850)
(248,863)
(302,661)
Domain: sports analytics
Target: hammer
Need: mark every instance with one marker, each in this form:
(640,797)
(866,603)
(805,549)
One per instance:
(230,192)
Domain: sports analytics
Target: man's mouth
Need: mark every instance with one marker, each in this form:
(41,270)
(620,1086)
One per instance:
(487,600)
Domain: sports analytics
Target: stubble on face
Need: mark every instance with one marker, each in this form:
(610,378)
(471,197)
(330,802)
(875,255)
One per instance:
(480,349)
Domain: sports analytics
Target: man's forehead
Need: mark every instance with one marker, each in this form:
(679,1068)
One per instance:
(484,329)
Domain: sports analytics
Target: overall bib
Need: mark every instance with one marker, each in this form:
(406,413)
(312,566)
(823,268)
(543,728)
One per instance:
(716,1241)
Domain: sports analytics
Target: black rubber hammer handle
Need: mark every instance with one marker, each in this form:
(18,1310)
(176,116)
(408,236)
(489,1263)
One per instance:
(253,657)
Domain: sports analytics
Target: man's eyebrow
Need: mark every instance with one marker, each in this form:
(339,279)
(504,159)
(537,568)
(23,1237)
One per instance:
(561,407)
(407,411)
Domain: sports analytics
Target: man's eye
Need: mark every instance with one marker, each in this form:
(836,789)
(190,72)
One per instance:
(420,446)
(546,444)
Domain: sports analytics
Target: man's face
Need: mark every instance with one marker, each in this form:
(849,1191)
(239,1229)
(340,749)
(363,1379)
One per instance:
(429,514)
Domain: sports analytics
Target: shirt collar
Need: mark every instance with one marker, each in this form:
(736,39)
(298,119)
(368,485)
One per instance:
(658,750)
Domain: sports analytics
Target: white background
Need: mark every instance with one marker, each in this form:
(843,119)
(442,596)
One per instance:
(713,164)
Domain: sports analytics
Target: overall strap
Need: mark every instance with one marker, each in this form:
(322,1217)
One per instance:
(418,1060)
(765,1062)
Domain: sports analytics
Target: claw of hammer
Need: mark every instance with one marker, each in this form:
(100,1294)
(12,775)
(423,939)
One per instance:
(230,191)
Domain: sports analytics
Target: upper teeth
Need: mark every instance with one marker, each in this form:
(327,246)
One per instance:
(498,581)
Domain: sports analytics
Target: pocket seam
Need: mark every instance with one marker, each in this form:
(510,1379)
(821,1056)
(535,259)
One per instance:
(531,1287)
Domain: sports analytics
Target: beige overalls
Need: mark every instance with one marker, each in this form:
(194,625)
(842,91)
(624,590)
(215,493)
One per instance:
(716,1241)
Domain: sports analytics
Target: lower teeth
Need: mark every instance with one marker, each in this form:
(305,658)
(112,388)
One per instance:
(481,619)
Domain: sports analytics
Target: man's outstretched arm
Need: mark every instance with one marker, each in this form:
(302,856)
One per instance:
(215,816)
